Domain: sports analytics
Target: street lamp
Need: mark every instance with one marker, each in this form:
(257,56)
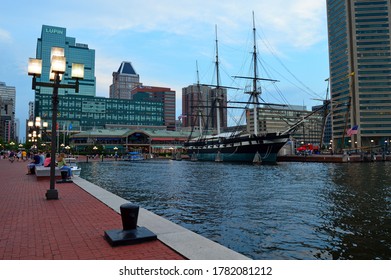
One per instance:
(115,154)
(57,70)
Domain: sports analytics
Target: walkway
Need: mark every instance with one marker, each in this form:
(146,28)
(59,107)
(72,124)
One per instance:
(70,228)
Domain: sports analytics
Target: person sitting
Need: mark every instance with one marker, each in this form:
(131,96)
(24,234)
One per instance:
(31,166)
(63,165)
(47,161)
(42,158)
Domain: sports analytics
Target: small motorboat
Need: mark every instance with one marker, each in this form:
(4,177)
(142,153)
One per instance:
(72,163)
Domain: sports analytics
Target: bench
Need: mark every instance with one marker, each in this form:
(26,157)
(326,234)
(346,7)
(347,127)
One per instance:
(41,171)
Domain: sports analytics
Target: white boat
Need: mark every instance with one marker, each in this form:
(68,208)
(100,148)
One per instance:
(72,163)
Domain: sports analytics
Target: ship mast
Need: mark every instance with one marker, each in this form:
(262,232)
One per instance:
(217,85)
(255,92)
(199,100)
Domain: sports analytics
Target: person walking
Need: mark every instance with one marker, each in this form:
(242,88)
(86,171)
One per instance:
(24,155)
(11,156)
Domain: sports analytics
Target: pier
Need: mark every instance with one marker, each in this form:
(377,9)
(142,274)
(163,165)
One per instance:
(72,227)
(338,158)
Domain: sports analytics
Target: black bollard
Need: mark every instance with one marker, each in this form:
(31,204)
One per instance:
(131,233)
(129,215)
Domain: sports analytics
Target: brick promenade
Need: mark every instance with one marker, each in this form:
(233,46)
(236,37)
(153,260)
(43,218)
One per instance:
(70,228)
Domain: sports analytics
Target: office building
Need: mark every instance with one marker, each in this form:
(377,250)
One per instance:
(80,113)
(166,96)
(52,36)
(7,113)
(278,119)
(124,80)
(31,110)
(199,107)
(360,72)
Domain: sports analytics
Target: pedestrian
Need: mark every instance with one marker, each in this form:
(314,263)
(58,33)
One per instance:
(24,155)
(63,165)
(11,156)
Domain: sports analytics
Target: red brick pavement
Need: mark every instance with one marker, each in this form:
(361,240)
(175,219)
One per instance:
(70,228)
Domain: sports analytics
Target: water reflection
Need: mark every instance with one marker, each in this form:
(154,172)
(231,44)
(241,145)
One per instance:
(286,211)
(359,218)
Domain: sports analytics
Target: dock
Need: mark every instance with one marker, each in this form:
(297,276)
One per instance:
(337,158)
(72,227)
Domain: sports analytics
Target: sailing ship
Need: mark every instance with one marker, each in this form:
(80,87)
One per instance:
(239,146)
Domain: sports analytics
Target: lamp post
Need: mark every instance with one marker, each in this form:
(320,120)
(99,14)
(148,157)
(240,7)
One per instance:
(115,153)
(57,69)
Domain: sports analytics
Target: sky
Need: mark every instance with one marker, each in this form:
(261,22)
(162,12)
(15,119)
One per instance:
(166,39)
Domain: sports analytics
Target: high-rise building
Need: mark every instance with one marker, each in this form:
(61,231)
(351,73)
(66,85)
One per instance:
(7,112)
(80,113)
(52,36)
(199,107)
(360,72)
(31,110)
(124,80)
(83,110)
(166,96)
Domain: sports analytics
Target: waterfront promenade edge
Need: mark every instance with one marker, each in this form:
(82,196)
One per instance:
(72,227)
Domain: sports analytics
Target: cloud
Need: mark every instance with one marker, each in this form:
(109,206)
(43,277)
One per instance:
(299,24)
(296,23)
(5,37)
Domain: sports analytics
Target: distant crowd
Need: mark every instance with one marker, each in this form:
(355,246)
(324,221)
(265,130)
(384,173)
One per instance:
(36,159)
(15,155)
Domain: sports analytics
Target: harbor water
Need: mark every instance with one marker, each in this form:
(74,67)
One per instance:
(285,211)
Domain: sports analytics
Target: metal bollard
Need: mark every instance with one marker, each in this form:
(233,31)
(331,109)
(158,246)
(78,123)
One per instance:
(129,215)
(130,234)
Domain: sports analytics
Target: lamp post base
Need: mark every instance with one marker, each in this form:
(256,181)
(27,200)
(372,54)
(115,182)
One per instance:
(51,194)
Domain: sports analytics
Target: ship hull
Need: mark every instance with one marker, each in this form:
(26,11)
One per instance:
(240,149)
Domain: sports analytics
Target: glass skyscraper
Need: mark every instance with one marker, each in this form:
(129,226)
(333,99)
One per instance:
(360,72)
(52,36)
(84,110)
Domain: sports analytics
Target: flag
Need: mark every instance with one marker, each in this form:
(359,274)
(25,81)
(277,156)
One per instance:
(352,130)
(70,126)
